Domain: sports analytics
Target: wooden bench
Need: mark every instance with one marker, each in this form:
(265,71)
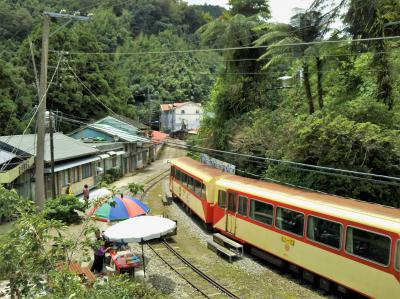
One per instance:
(220,249)
(84,273)
(230,244)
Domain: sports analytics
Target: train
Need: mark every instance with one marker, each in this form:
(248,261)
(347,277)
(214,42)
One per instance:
(340,242)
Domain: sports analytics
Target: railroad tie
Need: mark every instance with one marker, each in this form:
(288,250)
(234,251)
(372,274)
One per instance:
(213,295)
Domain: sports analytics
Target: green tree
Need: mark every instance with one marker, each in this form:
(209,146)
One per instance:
(250,7)
(304,28)
(368,20)
(34,251)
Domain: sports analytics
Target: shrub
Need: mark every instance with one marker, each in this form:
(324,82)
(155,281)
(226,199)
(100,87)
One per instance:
(115,173)
(135,188)
(111,175)
(64,208)
(8,198)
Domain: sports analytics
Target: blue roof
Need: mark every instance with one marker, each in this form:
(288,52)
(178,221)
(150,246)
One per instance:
(110,126)
(117,124)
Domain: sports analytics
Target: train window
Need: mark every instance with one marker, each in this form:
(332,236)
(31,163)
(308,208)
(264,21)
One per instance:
(190,183)
(368,245)
(242,205)
(197,188)
(324,231)
(184,179)
(222,199)
(290,221)
(261,211)
(178,175)
(203,191)
(397,262)
(232,202)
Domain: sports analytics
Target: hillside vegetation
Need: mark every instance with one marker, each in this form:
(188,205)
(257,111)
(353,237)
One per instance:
(339,108)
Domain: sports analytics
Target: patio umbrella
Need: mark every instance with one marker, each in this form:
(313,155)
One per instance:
(140,229)
(118,208)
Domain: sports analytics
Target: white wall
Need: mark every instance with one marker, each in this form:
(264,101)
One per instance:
(190,113)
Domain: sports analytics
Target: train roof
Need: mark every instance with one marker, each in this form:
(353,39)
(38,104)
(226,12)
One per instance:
(197,169)
(369,214)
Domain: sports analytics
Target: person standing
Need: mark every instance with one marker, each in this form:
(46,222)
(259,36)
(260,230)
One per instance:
(69,191)
(85,193)
(99,258)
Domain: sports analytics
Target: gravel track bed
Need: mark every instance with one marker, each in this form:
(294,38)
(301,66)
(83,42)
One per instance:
(261,272)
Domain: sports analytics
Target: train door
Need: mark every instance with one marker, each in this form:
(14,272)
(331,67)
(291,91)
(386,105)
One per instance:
(231,213)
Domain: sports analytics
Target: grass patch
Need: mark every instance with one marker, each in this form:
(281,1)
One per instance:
(5,228)
(154,200)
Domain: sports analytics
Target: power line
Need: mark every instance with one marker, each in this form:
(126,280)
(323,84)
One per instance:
(14,150)
(238,48)
(89,90)
(326,170)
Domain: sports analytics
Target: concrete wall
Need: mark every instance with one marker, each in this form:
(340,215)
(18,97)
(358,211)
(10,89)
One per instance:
(190,114)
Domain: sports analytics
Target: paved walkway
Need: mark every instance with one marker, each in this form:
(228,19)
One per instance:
(141,176)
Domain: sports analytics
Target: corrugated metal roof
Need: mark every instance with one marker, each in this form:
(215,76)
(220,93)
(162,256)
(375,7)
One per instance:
(64,147)
(70,164)
(132,122)
(110,130)
(117,124)
(6,156)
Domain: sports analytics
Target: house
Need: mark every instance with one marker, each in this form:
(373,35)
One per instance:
(74,161)
(119,142)
(15,171)
(180,116)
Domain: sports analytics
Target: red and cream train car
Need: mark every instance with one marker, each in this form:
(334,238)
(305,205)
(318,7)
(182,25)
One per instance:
(352,243)
(193,183)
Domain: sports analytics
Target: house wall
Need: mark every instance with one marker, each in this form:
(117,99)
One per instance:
(75,176)
(190,114)
(167,121)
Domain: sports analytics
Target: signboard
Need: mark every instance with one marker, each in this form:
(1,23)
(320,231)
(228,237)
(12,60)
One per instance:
(206,159)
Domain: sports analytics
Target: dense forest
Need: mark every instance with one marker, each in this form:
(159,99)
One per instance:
(321,90)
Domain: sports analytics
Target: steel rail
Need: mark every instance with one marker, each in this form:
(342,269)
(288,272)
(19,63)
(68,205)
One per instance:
(177,272)
(153,181)
(203,275)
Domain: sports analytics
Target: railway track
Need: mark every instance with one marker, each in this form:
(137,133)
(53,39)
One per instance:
(153,181)
(203,284)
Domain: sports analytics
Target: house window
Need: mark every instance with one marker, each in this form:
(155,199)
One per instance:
(368,245)
(114,162)
(197,111)
(75,174)
(65,178)
(324,231)
(182,111)
(86,171)
(290,221)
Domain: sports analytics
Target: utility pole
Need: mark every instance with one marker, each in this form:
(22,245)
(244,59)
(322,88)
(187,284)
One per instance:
(39,175)
(53,179)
